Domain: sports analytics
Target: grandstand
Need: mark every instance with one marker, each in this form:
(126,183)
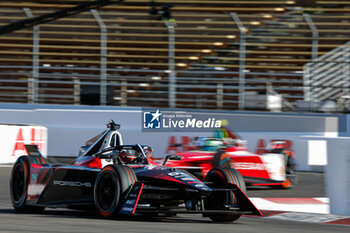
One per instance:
(223,50)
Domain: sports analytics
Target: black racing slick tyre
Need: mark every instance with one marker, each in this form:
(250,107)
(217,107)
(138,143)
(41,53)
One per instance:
(217,178)
(19,180)
(111,186)
(221,159)
(291,171)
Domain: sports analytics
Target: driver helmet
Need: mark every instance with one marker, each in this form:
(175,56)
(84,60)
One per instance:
(125,156)
(212,145)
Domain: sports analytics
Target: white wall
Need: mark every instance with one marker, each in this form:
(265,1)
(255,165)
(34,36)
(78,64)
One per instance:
(70,126)
(14,137)
(338,175)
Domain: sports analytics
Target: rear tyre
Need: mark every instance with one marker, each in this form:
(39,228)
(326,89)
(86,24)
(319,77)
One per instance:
(19,181)
(291,171)
(221,159)
(111,186)
(218,177)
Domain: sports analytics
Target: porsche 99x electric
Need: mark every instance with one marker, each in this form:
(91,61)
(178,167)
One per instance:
(117,179)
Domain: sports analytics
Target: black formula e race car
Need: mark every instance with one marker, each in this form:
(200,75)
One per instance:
(118,180)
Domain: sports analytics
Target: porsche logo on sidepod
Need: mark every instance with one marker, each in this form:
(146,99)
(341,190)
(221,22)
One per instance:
(72,183)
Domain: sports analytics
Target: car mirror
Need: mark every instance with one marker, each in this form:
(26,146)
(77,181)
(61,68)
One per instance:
(147,149)
(171,157)
(83,149)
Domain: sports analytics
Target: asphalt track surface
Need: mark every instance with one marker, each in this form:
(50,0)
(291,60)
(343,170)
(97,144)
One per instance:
(63,220)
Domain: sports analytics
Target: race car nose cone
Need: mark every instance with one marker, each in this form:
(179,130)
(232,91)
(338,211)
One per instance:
(188,180)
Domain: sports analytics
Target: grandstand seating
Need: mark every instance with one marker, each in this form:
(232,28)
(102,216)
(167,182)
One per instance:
(207,47)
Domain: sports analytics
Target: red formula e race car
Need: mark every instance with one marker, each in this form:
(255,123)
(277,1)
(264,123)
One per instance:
(276,167)
(117,179)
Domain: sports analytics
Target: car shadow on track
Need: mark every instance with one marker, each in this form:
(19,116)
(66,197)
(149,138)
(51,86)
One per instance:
(69,214)
(7,211)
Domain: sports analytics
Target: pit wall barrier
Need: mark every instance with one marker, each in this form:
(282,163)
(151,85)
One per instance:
(69,127)
(14,137)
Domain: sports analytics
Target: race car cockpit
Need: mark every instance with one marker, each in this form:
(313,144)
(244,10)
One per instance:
(125,154)
(108,146)
(106,139)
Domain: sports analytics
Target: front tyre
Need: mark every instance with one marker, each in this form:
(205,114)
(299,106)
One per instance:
(218,177)
(111,186)
(19,185)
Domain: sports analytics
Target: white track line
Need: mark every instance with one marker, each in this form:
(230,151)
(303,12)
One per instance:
(306,217)
(263,204)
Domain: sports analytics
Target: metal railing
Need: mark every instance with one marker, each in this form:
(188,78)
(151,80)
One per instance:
(207,87)
(198,89)
(242,56)
(328,77)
